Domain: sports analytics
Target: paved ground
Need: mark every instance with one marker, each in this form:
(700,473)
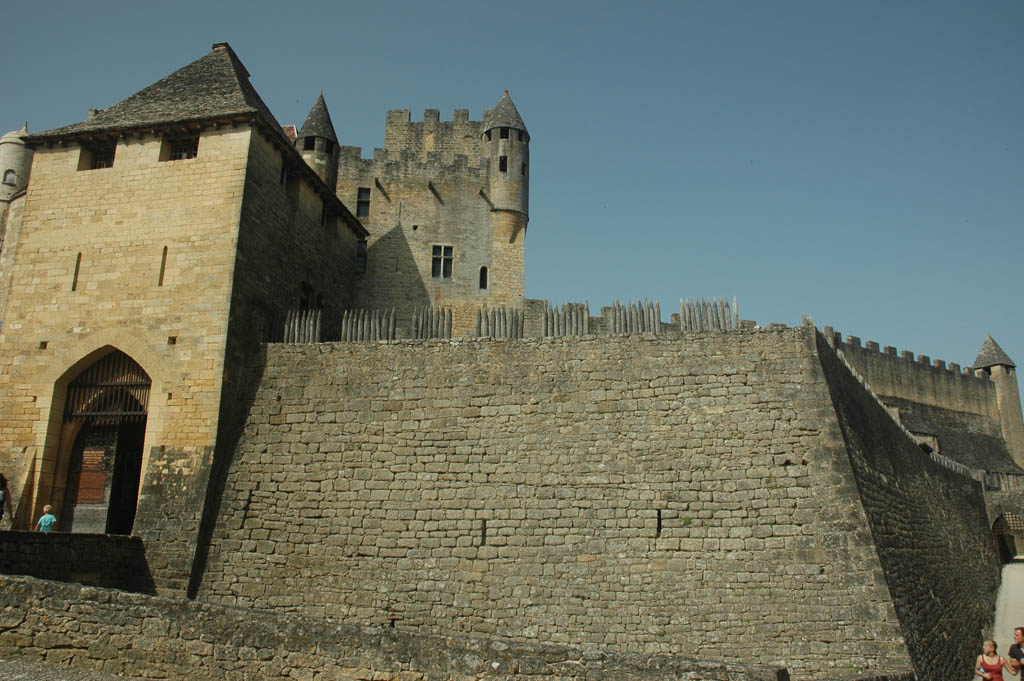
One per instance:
(20,669)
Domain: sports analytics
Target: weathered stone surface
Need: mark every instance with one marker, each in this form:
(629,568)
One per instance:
(152,637)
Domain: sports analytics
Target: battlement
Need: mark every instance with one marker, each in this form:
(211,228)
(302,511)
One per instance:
(404,117)
(917,377)
(908,356)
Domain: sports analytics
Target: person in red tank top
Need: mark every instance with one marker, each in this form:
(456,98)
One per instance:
(989,665)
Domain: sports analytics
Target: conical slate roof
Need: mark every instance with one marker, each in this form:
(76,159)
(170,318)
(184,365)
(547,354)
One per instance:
(504,114)
(991,355)
(318,122)
(215,86)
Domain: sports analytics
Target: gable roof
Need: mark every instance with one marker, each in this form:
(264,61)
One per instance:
(318,122)
(213,87)
(991,355)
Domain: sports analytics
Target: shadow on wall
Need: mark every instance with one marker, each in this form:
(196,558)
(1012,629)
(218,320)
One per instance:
(235,405)
(23,514)
(109,561)
(390,263)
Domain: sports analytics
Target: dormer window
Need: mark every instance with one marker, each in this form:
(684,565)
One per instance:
(97,154)
(10,177)
(179,148)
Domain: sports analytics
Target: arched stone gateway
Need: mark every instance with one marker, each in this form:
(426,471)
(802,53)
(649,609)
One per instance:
(99,462)
(1008,531)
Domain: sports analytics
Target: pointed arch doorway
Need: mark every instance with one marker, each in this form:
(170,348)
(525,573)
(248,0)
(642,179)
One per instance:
(104,428)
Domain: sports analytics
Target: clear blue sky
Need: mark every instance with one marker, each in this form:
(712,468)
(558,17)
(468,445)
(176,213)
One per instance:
(860,162)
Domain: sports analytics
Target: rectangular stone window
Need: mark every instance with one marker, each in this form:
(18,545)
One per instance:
(97,154)
(503,164)
(441,261)
(504,133)
(363,203)
(309,144)
(361,256)
(179,148)
(520,134)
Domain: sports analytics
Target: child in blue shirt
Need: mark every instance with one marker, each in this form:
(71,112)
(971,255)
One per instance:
(47,520)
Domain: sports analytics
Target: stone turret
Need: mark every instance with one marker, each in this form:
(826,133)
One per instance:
(507,143)
(318,143)
(15,163)
(506,150)
(993,361)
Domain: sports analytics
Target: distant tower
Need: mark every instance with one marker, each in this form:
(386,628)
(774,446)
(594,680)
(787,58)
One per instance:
(506,146)
(318,144)
(993,361)
(15,163)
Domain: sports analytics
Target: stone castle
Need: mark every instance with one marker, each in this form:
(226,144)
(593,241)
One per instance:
(309,386)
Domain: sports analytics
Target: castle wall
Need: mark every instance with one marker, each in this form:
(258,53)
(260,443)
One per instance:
(106,560)
(661,495)
(921,380)
(938,557)
(428,188)
(119,220)
(10,231)
(444,139)
(157,637)
(950,410)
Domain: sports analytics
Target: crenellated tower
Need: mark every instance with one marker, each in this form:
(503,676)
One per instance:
(318,143)
(993,361)
(506,151)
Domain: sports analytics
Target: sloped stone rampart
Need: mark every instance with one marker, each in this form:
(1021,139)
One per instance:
(687,495)
(930,526)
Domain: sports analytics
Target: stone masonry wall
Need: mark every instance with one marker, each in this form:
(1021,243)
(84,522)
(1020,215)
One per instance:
(931,528)
(109,228)
(920,380)
(150,637)
(954,412)
(429,188)
(681,495)
(113,561)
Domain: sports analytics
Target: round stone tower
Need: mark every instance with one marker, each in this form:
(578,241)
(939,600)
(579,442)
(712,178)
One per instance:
(992,360)
(318,144)
(506,146)
(15,163)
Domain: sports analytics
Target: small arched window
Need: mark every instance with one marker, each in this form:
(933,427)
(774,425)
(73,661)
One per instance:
(483,277)
(10,177)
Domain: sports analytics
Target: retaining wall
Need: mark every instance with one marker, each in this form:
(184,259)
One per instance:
(930,527)
(95,559)
(677,495)
(152,637)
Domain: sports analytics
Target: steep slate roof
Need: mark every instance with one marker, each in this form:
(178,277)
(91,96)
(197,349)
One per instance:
(504,114)
(318,122)
(213,87)
(991,355)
